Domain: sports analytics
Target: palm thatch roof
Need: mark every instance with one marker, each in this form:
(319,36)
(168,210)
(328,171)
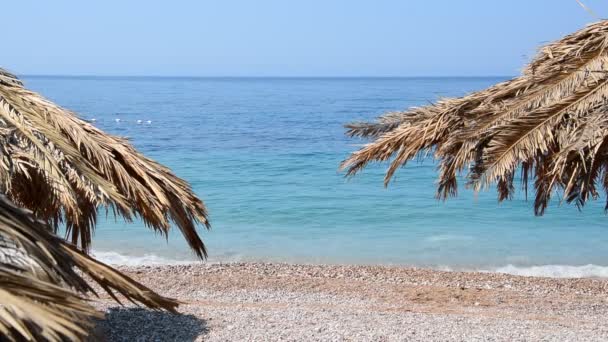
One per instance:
(40,287)
(63,169)
(550,124)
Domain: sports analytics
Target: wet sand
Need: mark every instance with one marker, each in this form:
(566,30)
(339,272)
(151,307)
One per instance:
(284,302)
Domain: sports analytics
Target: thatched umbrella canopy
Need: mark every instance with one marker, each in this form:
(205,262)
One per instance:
(41,292)
(64,169)
(551,123)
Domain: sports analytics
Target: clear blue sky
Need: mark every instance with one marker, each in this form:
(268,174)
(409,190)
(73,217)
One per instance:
(283,37)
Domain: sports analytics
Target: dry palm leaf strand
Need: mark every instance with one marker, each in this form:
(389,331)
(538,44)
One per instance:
(546,122)
(52,157)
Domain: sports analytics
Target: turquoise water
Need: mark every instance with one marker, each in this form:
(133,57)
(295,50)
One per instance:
(263,154)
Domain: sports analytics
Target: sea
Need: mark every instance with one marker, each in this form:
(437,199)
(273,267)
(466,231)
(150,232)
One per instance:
(263,154)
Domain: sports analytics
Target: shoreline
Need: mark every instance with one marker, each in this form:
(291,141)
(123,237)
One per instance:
(278,301)
(560,271)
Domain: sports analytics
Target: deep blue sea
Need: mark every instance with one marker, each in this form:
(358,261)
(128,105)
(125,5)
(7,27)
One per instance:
(263,153)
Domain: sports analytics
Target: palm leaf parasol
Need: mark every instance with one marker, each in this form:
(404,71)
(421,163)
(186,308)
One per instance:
(41,290)
(64,169)
(550,124)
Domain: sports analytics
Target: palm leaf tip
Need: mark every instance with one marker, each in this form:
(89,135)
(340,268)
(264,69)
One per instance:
(549,121)
(63,169)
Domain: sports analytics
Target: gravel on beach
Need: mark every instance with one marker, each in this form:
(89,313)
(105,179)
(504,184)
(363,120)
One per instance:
(288,302)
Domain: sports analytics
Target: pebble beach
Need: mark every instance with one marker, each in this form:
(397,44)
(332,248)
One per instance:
(289,302)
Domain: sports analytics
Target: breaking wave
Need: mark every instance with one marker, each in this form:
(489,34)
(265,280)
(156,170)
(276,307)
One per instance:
(550,271)
(556,271)
(114,258)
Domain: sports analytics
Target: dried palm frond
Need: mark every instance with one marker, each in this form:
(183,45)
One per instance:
(550,123)
(64,169)
(34,309)
(40,289)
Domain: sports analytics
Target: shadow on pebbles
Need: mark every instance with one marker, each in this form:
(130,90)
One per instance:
(137,324)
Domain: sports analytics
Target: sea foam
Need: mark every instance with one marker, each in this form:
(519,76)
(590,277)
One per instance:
(114,258)
(556,271)
(550,271)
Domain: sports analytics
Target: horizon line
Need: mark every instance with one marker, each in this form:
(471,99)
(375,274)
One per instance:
(259,77)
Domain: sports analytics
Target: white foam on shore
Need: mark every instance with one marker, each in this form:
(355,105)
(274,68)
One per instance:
(114,258)
(556,271)
(550,271)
